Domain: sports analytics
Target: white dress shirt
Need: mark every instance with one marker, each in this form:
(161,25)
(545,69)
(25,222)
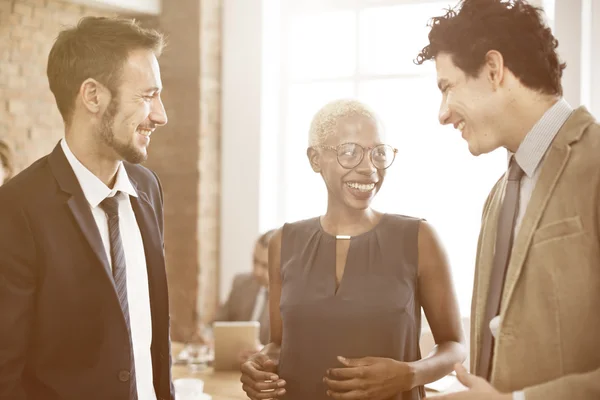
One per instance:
(530,156)
(138,294)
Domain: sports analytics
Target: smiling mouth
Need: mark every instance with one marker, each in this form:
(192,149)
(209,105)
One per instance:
(144,132)
(363,187)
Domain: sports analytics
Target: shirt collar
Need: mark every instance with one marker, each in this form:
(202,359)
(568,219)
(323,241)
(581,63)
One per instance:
(93,188)
(537,141)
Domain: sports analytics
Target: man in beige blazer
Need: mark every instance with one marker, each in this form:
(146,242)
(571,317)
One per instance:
(535,320)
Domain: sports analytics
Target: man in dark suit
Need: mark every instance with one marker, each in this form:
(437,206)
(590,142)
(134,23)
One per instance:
(83,291)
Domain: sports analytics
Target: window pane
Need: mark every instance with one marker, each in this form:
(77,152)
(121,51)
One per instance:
(303,102)
(322,45)
(391,37)
(434,175)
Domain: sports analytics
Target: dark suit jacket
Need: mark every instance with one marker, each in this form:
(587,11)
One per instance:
(240,304)
(62,332)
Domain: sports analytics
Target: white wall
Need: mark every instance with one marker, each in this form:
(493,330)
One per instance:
(594,57)
(241,130)
(150,7)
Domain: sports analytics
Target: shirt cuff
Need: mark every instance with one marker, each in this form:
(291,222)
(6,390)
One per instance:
(519,395)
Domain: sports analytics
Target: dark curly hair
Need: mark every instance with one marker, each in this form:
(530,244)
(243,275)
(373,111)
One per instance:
(514,28)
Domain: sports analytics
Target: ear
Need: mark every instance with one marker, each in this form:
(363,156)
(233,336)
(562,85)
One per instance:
(313,158)
(94,95)
(494,68)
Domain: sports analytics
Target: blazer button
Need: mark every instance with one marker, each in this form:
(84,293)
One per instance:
(124,376)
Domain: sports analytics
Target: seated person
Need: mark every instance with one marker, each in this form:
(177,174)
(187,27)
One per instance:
(248,298)
(6,162)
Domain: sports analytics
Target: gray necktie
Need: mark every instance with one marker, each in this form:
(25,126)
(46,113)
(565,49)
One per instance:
(504,240)
(110,205)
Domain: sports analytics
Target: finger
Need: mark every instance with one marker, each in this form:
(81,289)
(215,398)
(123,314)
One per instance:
(259,395)
(464,377)
(346,373)
(353,395)
(262,385)
(354,362)
(343,385)
(252,370)
(270,366)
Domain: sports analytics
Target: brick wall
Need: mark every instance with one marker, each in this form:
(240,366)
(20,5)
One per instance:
(185,153)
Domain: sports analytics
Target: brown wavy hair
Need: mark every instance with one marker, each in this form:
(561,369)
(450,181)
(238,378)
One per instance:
(97,48)
(514,28)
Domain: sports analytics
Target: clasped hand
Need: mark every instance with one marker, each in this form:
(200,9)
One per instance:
(371,378)
(259,378)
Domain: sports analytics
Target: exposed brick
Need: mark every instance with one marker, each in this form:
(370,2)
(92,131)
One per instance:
(33,3)
(15,20)
(16,107)
(23,9)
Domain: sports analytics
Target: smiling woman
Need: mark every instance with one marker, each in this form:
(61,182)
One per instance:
(346,288)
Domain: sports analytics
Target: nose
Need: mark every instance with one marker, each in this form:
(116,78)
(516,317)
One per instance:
(366,166)
(444,113)
(158,115)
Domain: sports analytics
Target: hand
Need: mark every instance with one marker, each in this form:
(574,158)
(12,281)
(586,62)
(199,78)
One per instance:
(259,378)
(371,378)
(245,354)
(477,388)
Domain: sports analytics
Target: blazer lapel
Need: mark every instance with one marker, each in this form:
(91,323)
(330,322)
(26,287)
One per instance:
(552,168)
(78,205)
(484,267)
(153,249)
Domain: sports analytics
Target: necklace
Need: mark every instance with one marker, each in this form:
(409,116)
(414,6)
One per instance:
(343,237)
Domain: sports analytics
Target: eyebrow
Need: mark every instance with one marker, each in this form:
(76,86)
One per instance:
(153,89)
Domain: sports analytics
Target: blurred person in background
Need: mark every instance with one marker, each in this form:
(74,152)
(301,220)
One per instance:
(248,299)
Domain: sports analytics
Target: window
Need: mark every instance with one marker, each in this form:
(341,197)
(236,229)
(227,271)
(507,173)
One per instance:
(365,49)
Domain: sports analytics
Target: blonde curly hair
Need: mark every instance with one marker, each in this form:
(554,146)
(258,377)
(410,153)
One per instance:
(325,120)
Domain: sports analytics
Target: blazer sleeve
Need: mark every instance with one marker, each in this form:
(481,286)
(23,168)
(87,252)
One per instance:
(18,276)
(576,386)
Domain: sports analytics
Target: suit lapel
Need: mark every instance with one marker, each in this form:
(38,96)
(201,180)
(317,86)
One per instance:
(157,286)
(153,249)
(552,168)
(484,266)
(78,205)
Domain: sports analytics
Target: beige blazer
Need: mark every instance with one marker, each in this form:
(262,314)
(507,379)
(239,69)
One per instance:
(549,339)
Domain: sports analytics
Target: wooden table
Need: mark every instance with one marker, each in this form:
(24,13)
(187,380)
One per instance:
(226,385)
(220,385)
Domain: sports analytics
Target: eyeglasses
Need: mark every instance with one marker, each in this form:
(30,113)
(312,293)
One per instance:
(349,155)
